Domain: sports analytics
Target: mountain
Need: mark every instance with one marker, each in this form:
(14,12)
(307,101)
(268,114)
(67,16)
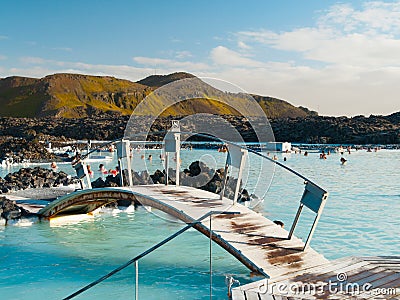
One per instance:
(156,81)
(68,95)
(77,96)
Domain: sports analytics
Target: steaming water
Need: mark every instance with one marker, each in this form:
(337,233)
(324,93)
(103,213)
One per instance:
(45,261)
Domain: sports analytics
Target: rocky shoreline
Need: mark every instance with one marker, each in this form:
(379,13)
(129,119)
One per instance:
(198,175)
(311,129)
(23,138)
(36,177)
(9,210)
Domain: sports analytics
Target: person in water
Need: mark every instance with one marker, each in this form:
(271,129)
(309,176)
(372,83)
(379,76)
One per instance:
(114,172)
(343,160)
(89,169)
(53,165)
(102,169)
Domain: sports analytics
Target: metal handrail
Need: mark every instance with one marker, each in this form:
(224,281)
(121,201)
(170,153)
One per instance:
(255,152)
(148,251)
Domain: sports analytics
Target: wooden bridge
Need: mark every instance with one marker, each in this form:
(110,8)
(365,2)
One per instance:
(264,247)
(255,241)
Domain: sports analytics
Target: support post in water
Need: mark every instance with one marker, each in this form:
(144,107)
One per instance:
(137,280)
(210,258)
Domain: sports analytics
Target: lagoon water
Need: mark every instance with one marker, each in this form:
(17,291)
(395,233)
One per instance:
(46,261)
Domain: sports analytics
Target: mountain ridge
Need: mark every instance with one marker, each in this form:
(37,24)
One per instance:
(78,95)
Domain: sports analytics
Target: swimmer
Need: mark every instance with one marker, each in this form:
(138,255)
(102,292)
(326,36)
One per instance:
(343,160)
(114,172)
(90,172)
(102,169)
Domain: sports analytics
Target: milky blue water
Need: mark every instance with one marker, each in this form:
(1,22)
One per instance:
(50,262)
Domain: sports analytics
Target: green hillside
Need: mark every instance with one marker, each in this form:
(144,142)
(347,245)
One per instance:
(77,96)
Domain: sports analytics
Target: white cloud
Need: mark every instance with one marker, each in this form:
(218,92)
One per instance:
(169,63)
(243,46)
(34,60)
(226,57)
(358,61)
(376,16)
(343,35)
(47,67)
(183,54)
(36,71)
(331,90)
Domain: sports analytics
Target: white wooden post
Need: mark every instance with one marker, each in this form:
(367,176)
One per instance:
(240,173)
(315,199)
(82,173)
(123,151)
(172,144)
(236,158)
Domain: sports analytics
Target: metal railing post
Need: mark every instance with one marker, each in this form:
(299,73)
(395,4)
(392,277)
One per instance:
(137,280)
(166,168)
(210,258)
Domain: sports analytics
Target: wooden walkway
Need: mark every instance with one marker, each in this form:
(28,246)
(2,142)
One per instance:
(254,240)
(345,278)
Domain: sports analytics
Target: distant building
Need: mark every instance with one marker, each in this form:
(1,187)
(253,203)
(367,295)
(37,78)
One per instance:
(278,146)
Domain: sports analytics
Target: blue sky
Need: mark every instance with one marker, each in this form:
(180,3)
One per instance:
(339,58)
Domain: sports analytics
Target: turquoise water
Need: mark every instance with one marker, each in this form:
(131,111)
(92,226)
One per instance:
(361,218)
